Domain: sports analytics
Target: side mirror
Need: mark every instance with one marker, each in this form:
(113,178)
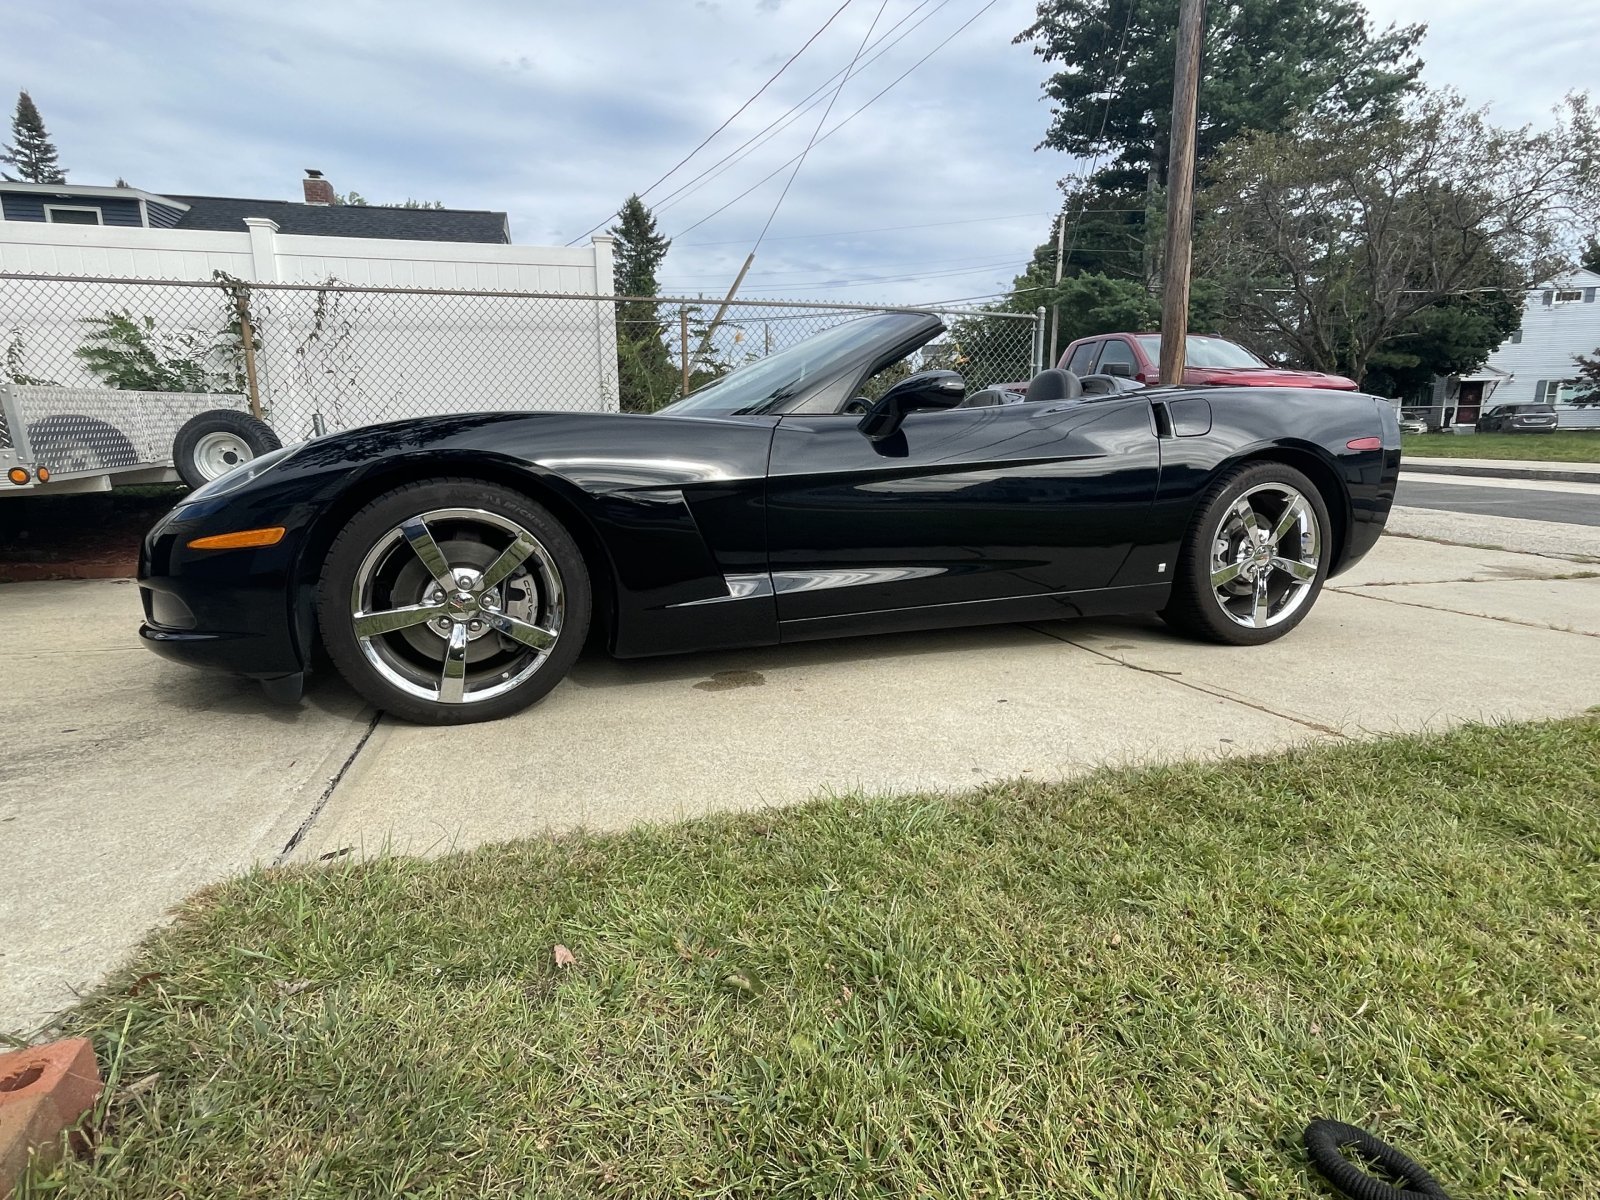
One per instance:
(929,390)
(1120,370)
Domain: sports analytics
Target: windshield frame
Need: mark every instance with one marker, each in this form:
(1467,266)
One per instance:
(781,382)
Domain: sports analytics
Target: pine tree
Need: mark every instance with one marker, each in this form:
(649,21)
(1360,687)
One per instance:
(645,374)
(31,152)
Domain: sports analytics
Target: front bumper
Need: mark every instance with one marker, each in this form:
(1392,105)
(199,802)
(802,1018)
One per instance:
(237,611)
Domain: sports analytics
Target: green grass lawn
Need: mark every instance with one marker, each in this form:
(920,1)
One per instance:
(1142,983)
(1578,445)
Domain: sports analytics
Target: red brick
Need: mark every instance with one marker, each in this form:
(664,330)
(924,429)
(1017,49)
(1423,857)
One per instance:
(44,1091)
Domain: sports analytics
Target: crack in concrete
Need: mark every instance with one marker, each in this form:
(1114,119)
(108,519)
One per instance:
(1459,613)
(1175,677)
(327,793)
(1471,579)
(1439,541)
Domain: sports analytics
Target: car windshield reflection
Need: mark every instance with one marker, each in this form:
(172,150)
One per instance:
(761,386)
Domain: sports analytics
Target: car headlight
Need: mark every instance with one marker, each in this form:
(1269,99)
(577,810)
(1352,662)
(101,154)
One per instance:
(239,476)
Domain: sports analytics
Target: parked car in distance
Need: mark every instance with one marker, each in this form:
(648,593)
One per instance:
(1208,360)
(1519,418)
(1412,423)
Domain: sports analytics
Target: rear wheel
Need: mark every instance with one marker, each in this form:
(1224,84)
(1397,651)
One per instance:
(453,601)
(1254,559)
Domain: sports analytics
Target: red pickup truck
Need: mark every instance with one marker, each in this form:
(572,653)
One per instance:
(1208,359)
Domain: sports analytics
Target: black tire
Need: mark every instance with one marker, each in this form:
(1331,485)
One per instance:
(1324,1141)
(71,442)
(374,566)
(1196,609)
(215,442)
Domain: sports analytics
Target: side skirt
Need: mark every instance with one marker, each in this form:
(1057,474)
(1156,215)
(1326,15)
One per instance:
(1055,606)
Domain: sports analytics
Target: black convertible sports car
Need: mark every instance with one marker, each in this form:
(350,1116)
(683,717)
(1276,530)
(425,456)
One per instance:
(452,567)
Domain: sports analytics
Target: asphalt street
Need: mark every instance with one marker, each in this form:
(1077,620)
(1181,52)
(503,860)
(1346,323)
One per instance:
(1568,503)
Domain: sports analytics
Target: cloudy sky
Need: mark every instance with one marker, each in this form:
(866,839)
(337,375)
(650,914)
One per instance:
(554,112)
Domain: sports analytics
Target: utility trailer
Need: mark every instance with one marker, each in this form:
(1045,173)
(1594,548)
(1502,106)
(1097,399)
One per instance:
(63,440)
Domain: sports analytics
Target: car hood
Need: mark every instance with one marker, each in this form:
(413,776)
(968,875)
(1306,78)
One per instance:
(1269,377)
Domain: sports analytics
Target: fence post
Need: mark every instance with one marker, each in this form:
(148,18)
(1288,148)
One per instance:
(247,339)
(263,249)
(683,344)
(1038,339)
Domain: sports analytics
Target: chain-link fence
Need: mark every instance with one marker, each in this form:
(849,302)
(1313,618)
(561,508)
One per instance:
(317,357)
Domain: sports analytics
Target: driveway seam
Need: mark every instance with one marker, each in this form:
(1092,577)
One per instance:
(327,793)
(1459,613)
(1563,578)
(1173,677)
(1440,541)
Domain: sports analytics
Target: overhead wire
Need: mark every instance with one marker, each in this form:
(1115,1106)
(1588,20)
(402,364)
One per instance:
(752,99)
(824,137)
(772,216)
(804,105)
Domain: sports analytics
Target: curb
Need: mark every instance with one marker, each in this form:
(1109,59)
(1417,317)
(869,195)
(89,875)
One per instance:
(1495,470)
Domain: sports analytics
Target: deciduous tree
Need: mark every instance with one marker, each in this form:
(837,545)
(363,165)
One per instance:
(1335,235)
(1268,63)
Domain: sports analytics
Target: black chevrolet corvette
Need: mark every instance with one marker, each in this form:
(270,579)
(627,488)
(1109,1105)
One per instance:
(452,567)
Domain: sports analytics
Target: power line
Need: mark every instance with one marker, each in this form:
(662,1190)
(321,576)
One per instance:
(824,137)
(772,216)
(758,139)
(1003,263)
(902,264)
(753,97)
(790,237)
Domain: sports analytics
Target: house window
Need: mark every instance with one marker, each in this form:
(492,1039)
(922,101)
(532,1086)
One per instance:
(1516,338)
(1570,296)
(72,214)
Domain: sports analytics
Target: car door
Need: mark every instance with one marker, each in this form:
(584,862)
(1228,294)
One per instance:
(960,507)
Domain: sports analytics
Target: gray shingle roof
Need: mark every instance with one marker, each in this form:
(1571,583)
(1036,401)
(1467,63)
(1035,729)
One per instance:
(227,213)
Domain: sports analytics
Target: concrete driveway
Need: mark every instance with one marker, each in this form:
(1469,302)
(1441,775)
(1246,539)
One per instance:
(126,782)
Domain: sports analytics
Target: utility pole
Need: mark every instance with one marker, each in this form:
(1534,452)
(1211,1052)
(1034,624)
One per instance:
(711,329)
(1180,190)
(1055,305)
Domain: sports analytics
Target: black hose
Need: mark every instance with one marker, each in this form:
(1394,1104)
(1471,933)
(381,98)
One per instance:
(1324,1143)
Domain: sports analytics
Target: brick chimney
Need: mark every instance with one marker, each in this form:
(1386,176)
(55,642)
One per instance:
(318,190)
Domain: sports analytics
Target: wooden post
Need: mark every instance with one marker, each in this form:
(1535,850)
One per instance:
(1180,191)
(247,337)
(711,329)
(683,343)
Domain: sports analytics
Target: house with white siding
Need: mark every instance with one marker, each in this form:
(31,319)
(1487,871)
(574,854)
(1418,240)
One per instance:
(1559,321)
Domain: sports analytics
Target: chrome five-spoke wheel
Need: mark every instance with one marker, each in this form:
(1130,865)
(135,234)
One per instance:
(457,605)
(1265,555)
(1254,558)
(454,600)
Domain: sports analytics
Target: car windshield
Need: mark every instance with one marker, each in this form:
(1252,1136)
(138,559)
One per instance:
(1204,352)
(761,385)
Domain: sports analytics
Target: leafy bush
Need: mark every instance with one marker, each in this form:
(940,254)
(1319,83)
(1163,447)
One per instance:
(132,354)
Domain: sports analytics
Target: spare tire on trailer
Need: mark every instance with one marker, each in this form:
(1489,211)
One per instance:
(216,442)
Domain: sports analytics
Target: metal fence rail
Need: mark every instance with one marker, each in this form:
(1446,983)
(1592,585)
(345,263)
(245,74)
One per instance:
(312,357)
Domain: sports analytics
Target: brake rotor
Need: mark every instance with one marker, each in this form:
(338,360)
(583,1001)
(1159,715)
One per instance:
(413,585)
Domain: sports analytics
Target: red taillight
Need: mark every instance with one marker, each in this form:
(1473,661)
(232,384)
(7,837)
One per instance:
(1369,443)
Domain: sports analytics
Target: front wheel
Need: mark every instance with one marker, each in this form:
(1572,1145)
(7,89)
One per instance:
(453,601)
(1255,557)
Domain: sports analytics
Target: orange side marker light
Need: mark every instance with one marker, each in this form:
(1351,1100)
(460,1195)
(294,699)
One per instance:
(239,541)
